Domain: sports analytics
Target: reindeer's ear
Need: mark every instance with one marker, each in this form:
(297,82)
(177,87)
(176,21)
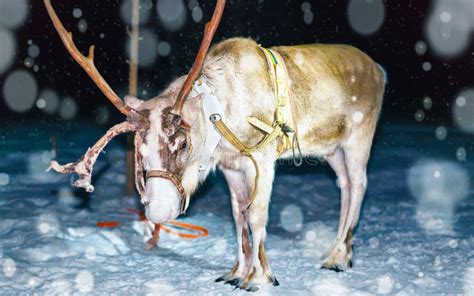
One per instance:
(192,108)
(133,102)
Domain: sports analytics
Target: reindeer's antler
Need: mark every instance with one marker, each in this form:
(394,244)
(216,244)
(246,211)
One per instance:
(209,31)
(87,63)
(83,167)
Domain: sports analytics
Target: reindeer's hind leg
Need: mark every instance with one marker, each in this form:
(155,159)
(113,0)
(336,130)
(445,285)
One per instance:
(337,163)
(356,152)
(239,191)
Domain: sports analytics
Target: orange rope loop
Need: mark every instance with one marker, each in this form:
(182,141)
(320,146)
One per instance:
(175,226)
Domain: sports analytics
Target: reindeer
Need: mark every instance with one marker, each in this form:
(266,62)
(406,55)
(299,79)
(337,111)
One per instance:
(336,92)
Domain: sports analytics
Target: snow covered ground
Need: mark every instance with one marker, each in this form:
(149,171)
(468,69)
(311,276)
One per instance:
(416,234)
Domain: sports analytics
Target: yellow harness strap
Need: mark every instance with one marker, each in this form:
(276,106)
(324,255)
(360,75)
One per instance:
(243,148)
(283,127)
(284,120)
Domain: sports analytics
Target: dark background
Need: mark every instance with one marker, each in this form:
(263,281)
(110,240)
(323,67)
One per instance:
(276,22)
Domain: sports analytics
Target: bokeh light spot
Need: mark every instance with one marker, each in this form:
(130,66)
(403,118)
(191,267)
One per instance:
(366,16)
(82,26)
(308,17)
(420,48)
(164,48)
(144,10)
(197,14)
(291,218)
(68,108)
(38,162)
(77,12)
(84,281)
(448,27)
(461,101)
(34,282)
(469,281)
(50,101)
(426,66)
(374,242)
(20,90)
(441,133)
(7,49)
(305,6)
(102,115)
(453,243)
(463,111)
(357,117)
(385,284)
(461,154)
(40,103)
(90,253)
(445,17)
(172,14)
(33,51)
(427,103)
(29,62)
(438,186)
(310,235)
(4,179)
(9,267)
(419,115)
(147,48)
(13,12)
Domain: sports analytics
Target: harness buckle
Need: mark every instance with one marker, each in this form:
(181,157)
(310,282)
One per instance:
(286,129)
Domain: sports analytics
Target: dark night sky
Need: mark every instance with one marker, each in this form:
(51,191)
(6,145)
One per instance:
(276,22)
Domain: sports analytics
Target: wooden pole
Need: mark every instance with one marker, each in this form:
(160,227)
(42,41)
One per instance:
(132,90)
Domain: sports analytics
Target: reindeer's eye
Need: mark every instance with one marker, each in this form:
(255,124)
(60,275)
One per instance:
(184,145)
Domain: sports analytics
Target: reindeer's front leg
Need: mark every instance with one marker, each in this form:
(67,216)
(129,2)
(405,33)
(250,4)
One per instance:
(239,191)
(259,271)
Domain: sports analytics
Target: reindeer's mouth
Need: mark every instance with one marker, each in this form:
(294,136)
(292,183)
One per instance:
(164,201)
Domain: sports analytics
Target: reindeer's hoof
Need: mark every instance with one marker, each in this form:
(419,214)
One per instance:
(234,282)
(275,282)
(253,283)
(337,267)
(249,287)
(253,288)
(229,280)
(340,258)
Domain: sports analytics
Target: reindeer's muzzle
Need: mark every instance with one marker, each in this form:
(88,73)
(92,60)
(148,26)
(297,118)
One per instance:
(176,182)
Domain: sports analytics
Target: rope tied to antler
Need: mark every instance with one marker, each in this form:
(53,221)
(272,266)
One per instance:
(139,173)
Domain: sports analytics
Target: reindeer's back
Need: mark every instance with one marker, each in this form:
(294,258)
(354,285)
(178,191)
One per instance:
(329,84)
(333,76)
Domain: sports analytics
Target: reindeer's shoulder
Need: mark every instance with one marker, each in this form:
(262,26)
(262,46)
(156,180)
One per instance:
(233,47)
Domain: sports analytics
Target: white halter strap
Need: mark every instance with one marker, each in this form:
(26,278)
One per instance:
(211,106)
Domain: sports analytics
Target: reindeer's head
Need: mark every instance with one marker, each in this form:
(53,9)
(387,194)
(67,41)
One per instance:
(166,158)
(163,132)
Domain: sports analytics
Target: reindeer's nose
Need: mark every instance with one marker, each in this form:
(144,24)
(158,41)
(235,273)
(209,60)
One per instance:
(160,213)
(163,200)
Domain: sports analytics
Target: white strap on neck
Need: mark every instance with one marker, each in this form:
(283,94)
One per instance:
(211,106)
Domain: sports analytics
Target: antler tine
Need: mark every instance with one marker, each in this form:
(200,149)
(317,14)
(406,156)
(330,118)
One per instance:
(87,63)
(209,32)
(83,167)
